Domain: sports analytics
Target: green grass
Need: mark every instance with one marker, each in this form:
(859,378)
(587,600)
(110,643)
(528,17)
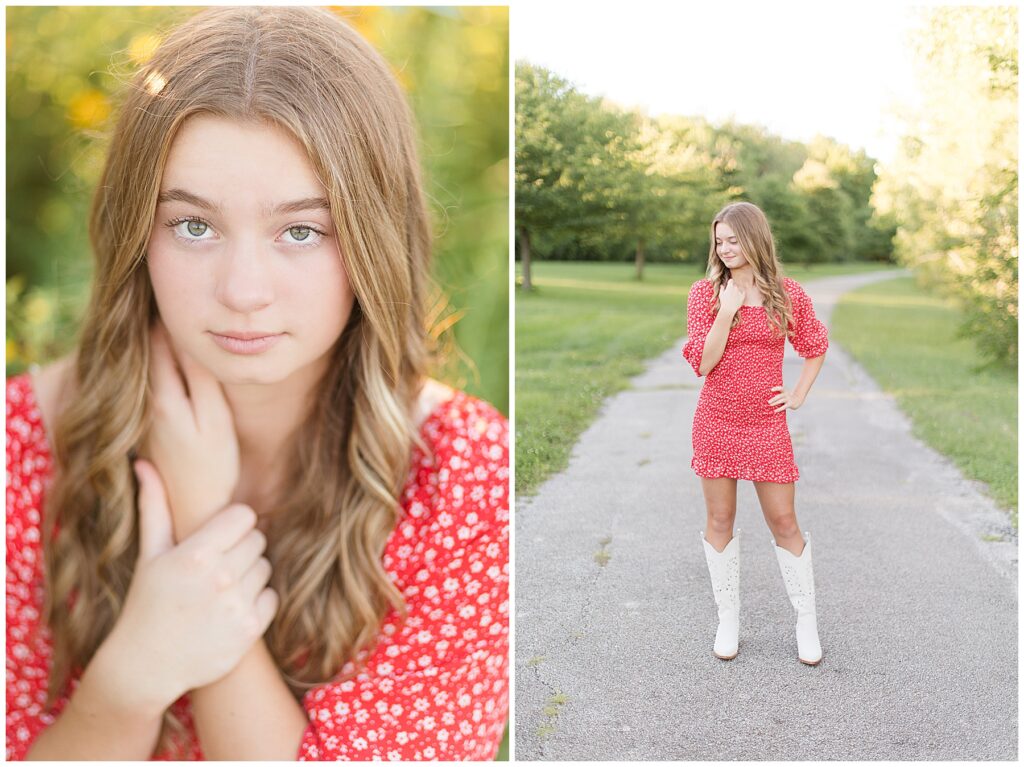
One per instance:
(503,750)
(585,330)
(906,339)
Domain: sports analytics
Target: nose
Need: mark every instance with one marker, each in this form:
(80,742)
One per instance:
(244,280)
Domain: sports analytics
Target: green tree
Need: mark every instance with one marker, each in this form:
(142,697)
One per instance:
(568,160)
(953,185)
(674,185)
(544,144)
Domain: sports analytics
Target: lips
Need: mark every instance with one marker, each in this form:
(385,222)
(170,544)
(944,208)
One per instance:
(244,335)
(245,341)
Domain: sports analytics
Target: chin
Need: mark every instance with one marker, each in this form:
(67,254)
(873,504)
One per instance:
(249,380)
(240,371)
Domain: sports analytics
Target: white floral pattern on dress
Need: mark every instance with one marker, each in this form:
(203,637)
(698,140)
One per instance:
(736,433)
(434,687)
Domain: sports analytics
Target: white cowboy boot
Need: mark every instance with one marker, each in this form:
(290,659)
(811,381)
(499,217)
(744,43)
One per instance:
(724,567)
(798,575)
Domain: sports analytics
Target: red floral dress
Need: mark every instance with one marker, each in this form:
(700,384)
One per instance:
(434,687)
(736,433)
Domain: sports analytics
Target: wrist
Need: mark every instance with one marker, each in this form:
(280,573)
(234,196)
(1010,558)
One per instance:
(125,681)
(188,514)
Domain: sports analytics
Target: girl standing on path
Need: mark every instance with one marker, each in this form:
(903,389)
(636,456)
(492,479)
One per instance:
(257,331)
(737,322)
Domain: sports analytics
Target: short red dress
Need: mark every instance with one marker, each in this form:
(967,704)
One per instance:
(736,433)
(435,686)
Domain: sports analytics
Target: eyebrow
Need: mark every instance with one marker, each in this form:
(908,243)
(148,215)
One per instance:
(294,206)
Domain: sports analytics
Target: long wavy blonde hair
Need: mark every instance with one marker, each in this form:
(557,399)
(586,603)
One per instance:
(751,227)
(306,71)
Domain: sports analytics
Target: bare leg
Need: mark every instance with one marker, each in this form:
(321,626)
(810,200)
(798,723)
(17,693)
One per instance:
(777,505)
(794,562)
(720,499)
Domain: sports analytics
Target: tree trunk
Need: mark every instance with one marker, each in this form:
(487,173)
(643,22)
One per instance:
(524,254)
(640,258)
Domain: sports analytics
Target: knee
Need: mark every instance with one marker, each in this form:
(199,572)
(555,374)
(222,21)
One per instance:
(784,525)
(721,520)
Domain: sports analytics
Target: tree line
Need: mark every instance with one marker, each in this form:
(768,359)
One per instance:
(596,182)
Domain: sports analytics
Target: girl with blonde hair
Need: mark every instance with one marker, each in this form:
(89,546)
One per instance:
(242,521)
(738,319)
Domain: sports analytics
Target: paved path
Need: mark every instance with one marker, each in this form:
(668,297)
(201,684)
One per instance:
(917,613)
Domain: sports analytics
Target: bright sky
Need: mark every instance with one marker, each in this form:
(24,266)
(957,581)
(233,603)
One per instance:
(798,69)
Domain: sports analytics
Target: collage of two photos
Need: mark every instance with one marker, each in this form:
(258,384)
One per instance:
(420,383)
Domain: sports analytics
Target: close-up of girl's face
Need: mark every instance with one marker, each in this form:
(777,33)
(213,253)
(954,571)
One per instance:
(243,255)
(727,245)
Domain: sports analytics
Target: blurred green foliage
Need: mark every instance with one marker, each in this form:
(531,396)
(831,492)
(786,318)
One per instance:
(953,184)
(64,67)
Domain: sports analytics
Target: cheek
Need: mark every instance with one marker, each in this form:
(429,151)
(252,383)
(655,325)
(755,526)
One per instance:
(173,285)
(322,294)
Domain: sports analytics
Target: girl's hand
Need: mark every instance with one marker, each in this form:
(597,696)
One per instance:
(731,298)
(785,399)
(194,609)
(192,436)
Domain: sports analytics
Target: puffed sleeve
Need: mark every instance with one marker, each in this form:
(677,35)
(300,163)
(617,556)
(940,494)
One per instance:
(700,316)
(808,334)
(436,685)
(28,648)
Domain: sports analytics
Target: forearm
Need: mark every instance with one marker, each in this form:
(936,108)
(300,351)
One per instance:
(97,724)
(812,367)
(714,344)
(249,713)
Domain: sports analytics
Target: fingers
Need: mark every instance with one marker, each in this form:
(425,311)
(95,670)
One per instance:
(207,397)
(222,532)
(253,581)
(266,607)
(243,554)
(156,531)
(168,388)
(184,383)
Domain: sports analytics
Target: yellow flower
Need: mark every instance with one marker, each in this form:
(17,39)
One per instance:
(13,352)
(88,108)
(142,47)
(38,310)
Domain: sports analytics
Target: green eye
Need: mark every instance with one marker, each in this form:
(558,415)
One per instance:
(300,233)
(197,228)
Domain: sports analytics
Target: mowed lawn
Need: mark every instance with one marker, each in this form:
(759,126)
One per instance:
(907,340)
(582,334)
